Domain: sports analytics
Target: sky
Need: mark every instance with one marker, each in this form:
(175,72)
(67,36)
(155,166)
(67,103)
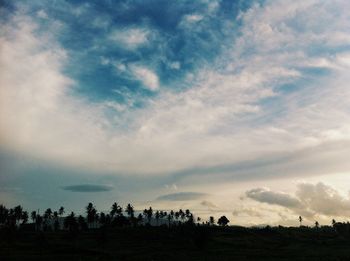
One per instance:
(236,108)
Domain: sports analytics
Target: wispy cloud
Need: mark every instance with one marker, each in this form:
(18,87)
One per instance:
(182,196)
(130,38)
(146,76)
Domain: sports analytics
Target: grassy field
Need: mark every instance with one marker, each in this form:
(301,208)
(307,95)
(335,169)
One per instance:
(177,243)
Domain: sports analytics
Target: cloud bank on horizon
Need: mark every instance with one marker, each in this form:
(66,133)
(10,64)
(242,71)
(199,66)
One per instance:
(225,90)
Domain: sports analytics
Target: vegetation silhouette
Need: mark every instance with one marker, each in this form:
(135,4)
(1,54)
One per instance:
(129,234)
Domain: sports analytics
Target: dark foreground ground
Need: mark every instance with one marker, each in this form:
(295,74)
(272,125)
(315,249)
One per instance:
(177,243)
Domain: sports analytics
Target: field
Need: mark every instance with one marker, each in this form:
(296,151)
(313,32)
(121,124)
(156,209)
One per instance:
(177,243)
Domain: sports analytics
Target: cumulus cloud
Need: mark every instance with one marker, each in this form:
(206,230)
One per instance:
(88,188)
(310,200)
(182,196)
(271,197)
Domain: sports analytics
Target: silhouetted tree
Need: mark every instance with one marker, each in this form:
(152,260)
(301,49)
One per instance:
(56,224)
(170,217)
(4,212)
(333,222)
(70,223)
(102,218)
(223,221)
(61,211)
(38,221)
(33,216)
(91,213)
(177,215)
(139,219)
(157,216)
(211,220)
(300,220)
(148,214)
(18,213)
(25,217)
(115,209)
(130,210)
(82,223)
(317,225)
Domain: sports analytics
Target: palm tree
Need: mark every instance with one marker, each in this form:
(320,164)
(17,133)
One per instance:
(38,221)
(24,217)
(4,212)
(114,208)
(61,211)
(177,215)
(91,213)
(47,218)
(300,220)
(211,220)
(148,213)
(33,216)
(317,225)
(56,224)
(70,222)
(139,218)
(157,216)
(170,217)
(48,213)
(82,223)
(130,210)
(333,222)
(18,213)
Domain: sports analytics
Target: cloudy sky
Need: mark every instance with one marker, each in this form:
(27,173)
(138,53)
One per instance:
(238,107)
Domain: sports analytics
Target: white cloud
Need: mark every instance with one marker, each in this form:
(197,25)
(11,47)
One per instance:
(148,78)
(42,14)
(131,38)
(310,200)
(175,65)
(274,198)
(193,18)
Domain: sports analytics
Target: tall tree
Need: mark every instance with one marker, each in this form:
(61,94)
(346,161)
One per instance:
(211,220)
(300,220)
(61,211)
(91,213)
(25,217)
(317,225)
(18,213)
(33,216)
(130,210)
(4,212)
(157,216)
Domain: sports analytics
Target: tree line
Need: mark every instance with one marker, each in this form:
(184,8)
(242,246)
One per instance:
(117,216)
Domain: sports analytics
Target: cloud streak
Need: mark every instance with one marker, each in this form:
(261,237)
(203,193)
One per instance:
(182,196)
(88,188)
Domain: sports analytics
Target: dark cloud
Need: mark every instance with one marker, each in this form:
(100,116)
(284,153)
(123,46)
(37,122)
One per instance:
(274,198)
(88,188)
(182,196)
